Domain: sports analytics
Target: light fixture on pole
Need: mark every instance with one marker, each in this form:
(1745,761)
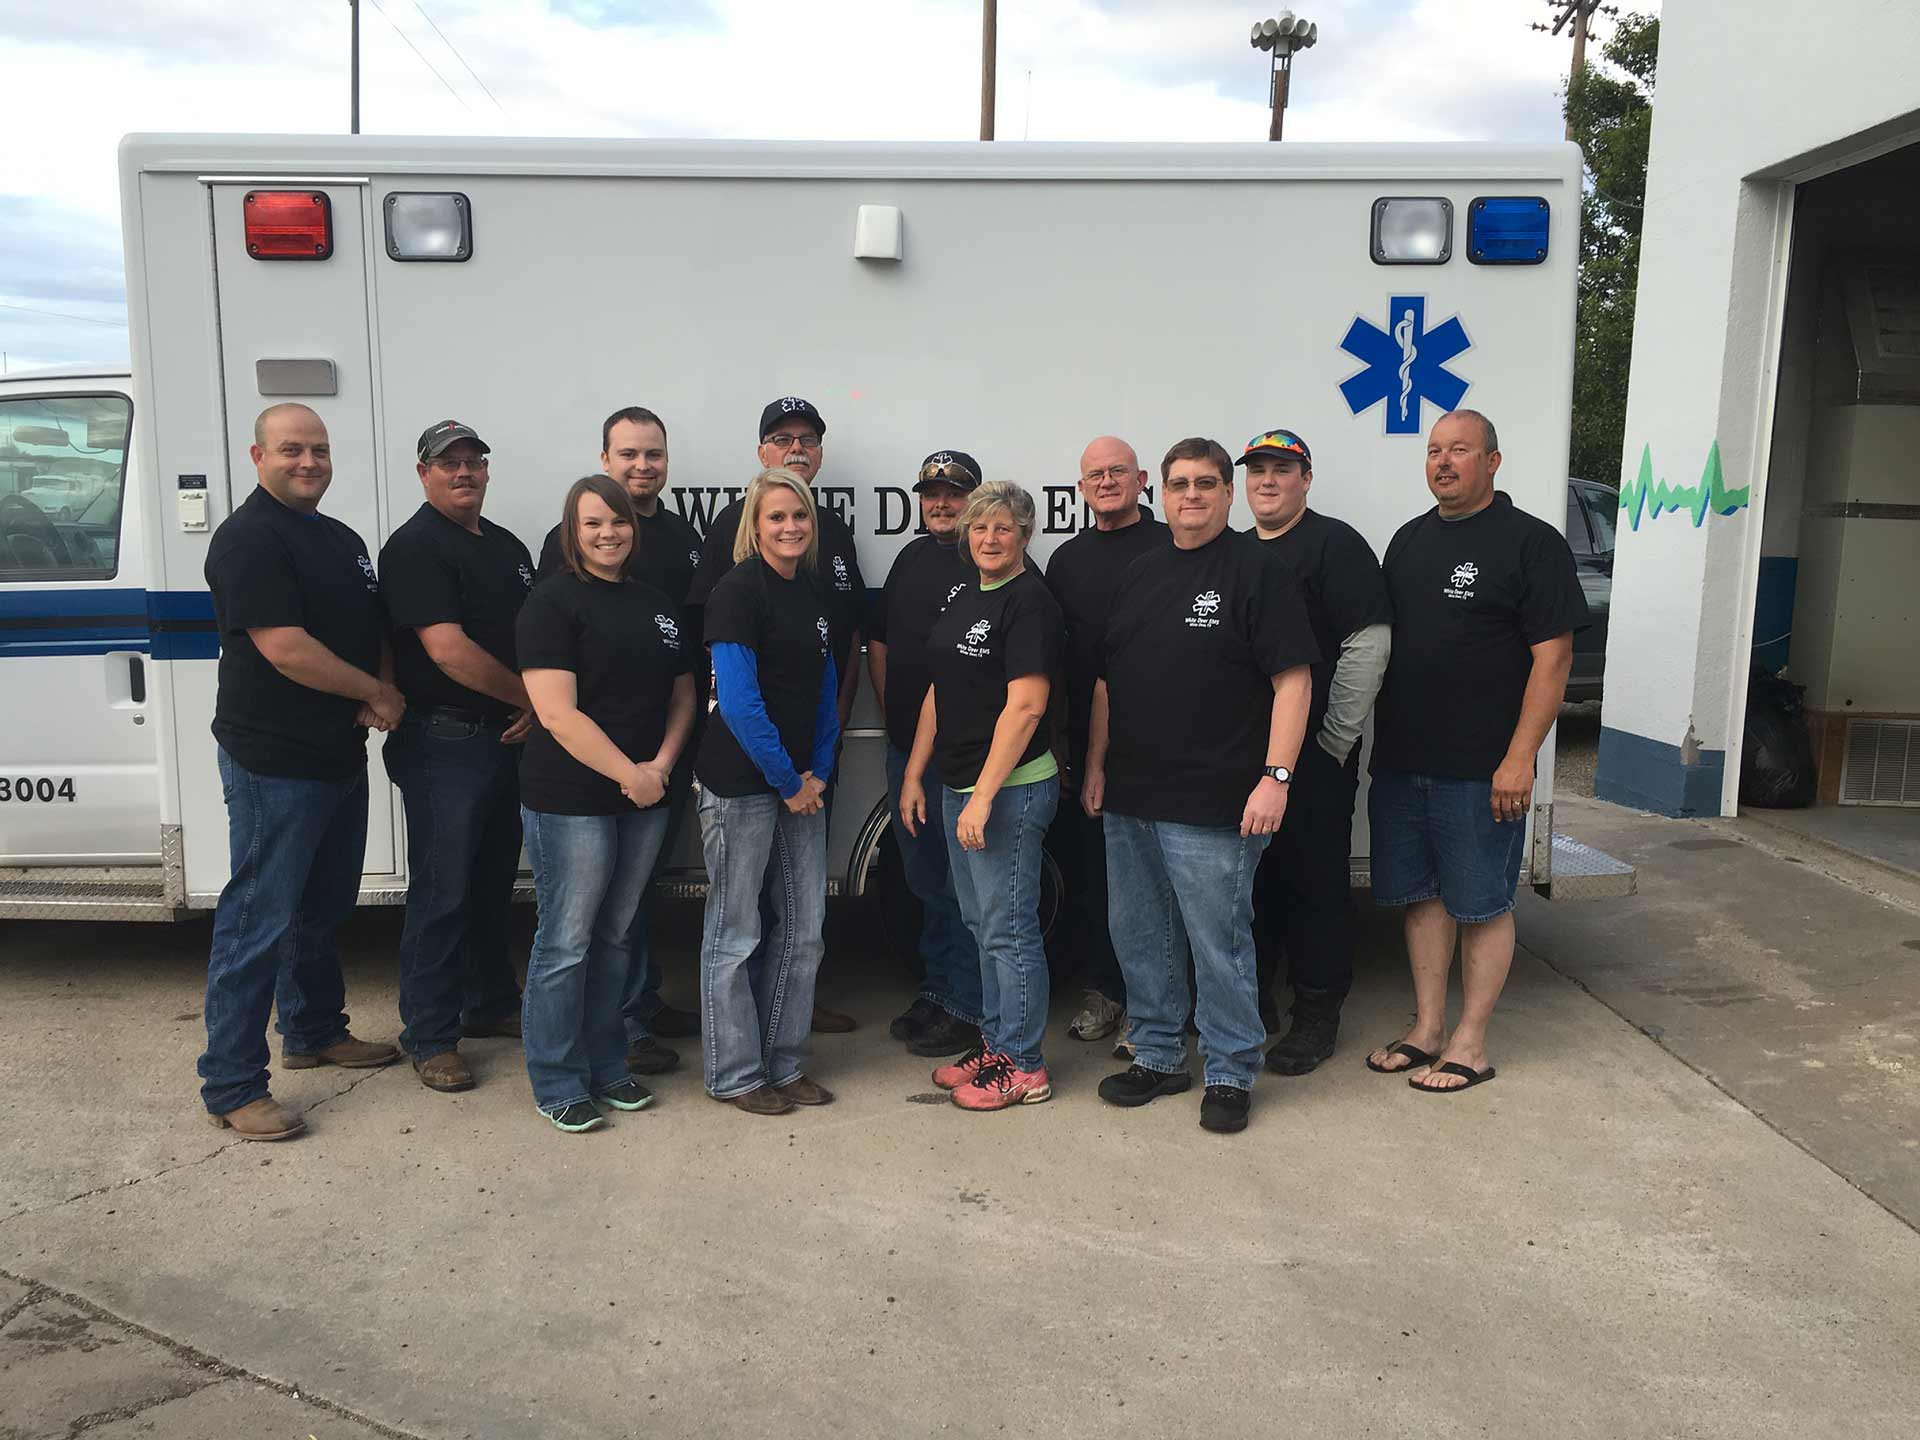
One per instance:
(1283,37)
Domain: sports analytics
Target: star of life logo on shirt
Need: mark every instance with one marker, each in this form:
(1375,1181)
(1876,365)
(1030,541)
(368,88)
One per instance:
(366,568)
(669,631)
(526,576)
(820,624)
(693,558)
(840,578)
(1206,606)
(974,643)
(1459,585)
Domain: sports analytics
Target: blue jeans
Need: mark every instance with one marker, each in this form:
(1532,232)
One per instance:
(1435,837)
(295,848)
(950,961)
(999,890)
(640,997)
(461,788)
(588,871)
(1175,889)
(756,1000)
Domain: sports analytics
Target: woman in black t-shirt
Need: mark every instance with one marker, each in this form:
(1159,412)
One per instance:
(985,728)
(605,663)
(763,825)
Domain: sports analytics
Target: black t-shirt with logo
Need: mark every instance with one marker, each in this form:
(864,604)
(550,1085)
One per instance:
(1082,575)
(925,578)
(1470,599)
(838,573)
(983,640)
(785,623)
(625,644)
(270,567)
(1194,639)
(1344,591)
(438,572)
(666,553)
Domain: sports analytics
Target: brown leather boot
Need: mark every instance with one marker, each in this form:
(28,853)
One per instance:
(764,1101)
(348,1053)
(446,1071)
(802,1091)
(262,1119)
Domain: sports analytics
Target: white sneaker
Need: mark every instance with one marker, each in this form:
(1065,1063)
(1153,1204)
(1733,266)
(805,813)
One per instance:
(1123,1047)
(1098,1019)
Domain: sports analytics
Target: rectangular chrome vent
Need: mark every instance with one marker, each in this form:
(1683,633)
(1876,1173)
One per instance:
(1882,763)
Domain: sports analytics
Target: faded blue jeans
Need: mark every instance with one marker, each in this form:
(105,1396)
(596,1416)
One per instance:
(950,974)
(999,890)
(588,871)
(295,848)
(756,1009)
(1173,888)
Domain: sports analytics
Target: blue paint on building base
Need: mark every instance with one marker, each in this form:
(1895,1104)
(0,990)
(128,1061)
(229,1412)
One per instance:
(1650,775)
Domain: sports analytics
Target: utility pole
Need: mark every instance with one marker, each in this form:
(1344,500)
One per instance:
(354,6)
(1579,14)
(1282,38)
(989,63)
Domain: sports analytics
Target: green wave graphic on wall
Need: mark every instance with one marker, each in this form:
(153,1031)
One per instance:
(1647,496)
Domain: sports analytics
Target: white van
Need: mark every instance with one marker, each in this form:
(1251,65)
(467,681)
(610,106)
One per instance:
(1009,300)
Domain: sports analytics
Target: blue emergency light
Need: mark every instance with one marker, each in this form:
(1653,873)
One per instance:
(1508,230)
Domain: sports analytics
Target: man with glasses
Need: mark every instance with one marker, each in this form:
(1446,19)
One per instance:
(1302,900)
(455,585)
(792,432)
(1198,717)
(666,554)
(1082,575)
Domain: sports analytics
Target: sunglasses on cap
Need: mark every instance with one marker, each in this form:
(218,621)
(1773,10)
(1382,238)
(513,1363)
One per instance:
(951,472)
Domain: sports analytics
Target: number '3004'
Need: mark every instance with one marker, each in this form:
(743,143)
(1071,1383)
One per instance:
(28,788)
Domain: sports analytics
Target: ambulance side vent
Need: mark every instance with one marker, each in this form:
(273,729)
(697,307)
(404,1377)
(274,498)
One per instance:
(1882,763)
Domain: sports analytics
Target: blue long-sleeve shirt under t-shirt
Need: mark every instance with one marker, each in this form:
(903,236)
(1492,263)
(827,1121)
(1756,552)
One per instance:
(736,686)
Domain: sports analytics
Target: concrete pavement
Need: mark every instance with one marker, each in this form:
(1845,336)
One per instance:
(1605,1241)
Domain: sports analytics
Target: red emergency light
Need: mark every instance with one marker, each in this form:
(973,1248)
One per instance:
(289,224)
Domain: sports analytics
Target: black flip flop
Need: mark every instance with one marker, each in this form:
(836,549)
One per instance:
(1472,1077)
(1416,1057)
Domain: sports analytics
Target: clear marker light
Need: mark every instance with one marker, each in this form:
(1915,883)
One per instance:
(429,226)
(1412,230)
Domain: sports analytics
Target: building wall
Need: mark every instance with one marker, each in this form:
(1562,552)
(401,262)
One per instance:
(1738,119)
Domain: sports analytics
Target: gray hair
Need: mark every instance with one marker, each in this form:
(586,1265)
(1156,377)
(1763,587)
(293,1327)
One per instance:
(1487,432)
(992,496)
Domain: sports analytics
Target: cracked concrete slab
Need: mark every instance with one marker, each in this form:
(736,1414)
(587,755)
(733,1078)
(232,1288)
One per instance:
(61,1367)
(235,1408)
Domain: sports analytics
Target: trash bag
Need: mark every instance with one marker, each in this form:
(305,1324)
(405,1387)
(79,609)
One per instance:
(1776,761)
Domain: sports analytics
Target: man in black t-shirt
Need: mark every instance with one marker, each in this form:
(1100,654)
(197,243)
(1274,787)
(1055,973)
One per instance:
(1198,718)
(666,555)
(792,436)
(455,584)
(304,672)
(1302,893)
(926,577)
(1485,602)
(1082,575)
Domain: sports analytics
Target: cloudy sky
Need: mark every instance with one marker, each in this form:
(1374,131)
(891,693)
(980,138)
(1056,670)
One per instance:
(81,75)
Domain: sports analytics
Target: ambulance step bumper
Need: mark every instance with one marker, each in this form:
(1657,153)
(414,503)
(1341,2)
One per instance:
(1581,872)
(86,892)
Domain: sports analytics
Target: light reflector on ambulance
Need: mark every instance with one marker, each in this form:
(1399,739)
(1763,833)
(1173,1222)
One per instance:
(1412,230)
(288,224)
(1508,229)
(429,225)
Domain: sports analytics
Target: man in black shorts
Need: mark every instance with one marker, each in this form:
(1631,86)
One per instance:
(1485,603)
(1302,901)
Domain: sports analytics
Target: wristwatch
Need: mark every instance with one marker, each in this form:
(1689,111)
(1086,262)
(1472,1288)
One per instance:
(1278,772)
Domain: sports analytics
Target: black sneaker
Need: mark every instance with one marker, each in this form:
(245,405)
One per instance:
(629,1094)
(647,1056)
(1223,1109)
(1309,1039)
(1137,1085)
(915,1018)
(946,1035)
(671,1024)
(577,1118)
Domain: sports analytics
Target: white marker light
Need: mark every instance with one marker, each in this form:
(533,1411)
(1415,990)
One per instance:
(1410,230)
(429,226)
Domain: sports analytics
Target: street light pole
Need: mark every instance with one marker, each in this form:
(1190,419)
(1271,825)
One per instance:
(354,6)
(989,63)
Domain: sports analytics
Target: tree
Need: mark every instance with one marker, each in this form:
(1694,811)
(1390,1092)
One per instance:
(1611,116)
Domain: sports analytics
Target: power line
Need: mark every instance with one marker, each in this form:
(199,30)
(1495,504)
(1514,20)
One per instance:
(416,50)
(458,56)
(62,315)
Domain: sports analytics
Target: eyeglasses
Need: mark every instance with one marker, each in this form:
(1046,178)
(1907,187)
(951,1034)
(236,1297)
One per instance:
(452,463)
(950,471)
(1117,472)
(1199,484)
(784,441)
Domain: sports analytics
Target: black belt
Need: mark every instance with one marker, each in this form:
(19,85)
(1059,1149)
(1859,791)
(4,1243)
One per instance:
(458,716)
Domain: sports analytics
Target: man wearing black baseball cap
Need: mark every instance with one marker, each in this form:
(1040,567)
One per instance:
(1302,901)
(791,431)
(944,1019)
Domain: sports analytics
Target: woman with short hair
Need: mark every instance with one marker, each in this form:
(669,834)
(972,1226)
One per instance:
(763,775)
(985,729)
(606,666)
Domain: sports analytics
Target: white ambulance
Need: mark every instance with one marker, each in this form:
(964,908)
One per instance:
(1010,300)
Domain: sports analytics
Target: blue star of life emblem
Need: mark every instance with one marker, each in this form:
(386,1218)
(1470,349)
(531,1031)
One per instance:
(1404,364)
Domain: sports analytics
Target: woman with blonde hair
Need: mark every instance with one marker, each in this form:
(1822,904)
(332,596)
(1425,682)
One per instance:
(763,774)
(985,728)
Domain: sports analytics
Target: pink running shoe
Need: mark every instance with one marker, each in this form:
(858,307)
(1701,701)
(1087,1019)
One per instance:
(998,1085)
(952,1077)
